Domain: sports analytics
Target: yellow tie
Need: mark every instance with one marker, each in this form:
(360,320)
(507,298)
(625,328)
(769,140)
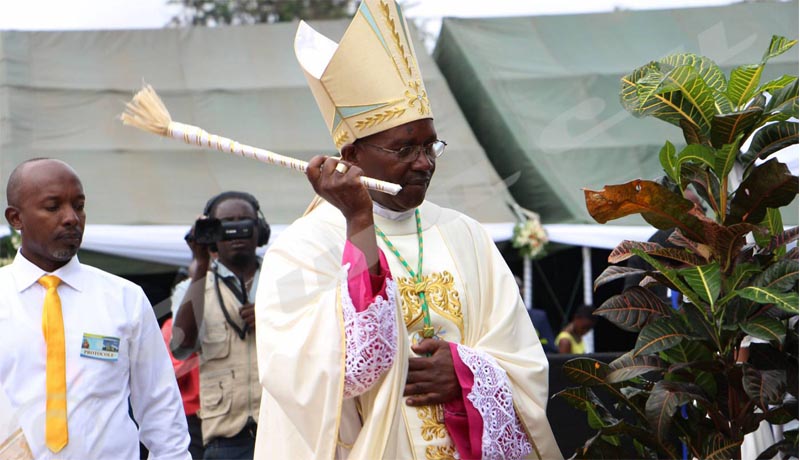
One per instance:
(56,436)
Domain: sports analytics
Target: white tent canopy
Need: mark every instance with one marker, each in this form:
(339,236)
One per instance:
(164,243)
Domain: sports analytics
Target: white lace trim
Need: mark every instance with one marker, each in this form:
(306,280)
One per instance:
(503,436)
(370,340)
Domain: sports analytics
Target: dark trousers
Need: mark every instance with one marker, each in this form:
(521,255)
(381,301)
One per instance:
(196,437)
(239,447)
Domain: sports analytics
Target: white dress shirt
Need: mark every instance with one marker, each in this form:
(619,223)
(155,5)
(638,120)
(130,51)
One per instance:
(98,303)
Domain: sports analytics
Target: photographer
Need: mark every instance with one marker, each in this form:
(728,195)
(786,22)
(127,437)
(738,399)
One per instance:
(214,316)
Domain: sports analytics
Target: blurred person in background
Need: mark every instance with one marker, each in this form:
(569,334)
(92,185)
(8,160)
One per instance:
(540,322)
(570,339)
(213,316)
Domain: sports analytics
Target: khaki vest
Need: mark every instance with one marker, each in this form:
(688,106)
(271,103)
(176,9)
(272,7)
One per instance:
(229,388)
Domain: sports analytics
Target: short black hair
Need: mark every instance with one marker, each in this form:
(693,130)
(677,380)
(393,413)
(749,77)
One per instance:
(585,311)
(215,201)
(15,181)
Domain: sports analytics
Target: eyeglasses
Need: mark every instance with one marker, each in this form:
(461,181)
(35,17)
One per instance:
(410,153)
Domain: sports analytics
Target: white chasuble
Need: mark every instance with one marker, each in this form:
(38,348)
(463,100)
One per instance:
(473,300)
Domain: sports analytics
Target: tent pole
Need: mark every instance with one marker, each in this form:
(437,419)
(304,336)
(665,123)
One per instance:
(588,298)
(527,282)
(586,252)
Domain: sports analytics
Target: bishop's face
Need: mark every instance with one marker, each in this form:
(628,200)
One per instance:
(414,175)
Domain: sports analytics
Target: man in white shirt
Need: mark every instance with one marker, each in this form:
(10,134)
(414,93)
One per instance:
(111,350)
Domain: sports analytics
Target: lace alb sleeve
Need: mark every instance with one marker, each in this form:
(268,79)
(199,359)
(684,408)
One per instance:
(503,436)
(370,340)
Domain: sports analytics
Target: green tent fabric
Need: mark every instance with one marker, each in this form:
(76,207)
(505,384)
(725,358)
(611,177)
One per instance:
(61,93)
(541,93)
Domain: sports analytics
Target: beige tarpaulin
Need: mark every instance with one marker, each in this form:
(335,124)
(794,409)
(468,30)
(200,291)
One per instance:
(60,94)
(542,93)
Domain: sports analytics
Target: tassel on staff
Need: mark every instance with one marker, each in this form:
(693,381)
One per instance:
(147,112)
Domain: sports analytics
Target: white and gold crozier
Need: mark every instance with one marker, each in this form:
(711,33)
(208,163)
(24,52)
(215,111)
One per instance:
(370,81)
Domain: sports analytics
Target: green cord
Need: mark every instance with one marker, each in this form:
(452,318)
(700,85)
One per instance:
(420,285)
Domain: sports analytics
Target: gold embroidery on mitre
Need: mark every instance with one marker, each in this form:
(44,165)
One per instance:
(378,118)
(396,37)
(341,138)
(440,452)
(440,293)
(418,97)
(379,36)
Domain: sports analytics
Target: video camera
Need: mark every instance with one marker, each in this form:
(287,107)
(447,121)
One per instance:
(212,230)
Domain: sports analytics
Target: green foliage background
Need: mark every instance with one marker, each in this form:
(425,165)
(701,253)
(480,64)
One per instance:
(689,380)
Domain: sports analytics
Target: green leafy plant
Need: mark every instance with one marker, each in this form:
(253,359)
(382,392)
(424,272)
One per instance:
(687,381)
(8,247)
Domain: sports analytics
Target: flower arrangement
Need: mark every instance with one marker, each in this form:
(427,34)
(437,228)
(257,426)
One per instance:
(529,237)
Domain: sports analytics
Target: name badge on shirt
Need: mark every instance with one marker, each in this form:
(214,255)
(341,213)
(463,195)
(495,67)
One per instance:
(100,347)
